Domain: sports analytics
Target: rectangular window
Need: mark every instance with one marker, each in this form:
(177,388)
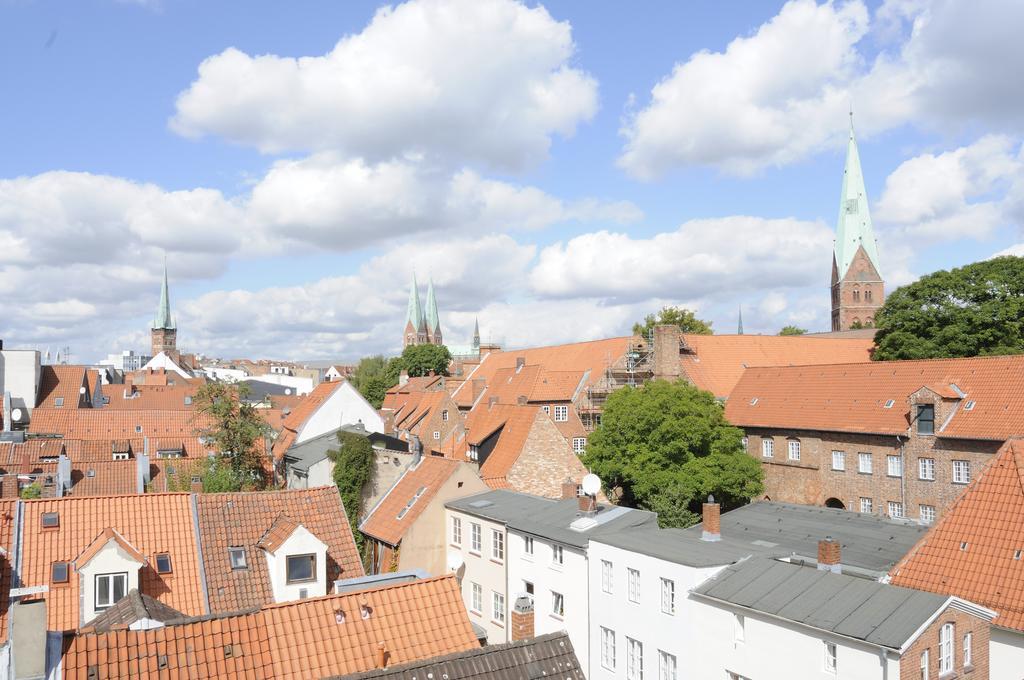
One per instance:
(838,460)
(557,555)
(477,603)
(300,568)
(59,572)
(739,629)
(668,596)
(895,510)
(606,576)
(50,520)
(561,413)
(457,530)
(163,563)
(866,505)
(528,545)
(666,666)
(927,513)
(767,448)
(895,464)
(497,545)
(498,615)
(557,604)
(608,648)
(437,434)
(926,468)
(830,657)
(579,444)
(634,659)
(634,585)
(925,419)
(794,449)
(961,472)
(968,652)
(444,416)
(546,408)
(864,463)
(236,555)
(946,648)
(109,589)
(474,537)
(924,665)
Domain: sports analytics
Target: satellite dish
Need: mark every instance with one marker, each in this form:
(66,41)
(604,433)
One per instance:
(287,392)
(81,390)
(455,561)
(16,415)
(591,484)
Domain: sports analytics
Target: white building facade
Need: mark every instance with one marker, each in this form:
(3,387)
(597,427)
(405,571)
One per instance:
(473,542)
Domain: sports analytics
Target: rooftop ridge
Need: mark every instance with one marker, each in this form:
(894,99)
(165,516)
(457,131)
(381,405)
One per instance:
(356,593)
(562,344)
(894,362)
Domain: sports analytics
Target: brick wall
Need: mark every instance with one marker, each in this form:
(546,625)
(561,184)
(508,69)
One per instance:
(910,662)
(546,461)
(850,295)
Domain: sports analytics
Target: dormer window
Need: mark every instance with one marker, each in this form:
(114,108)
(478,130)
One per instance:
(926,418)
(236,556)
(59,572)
(163,563)
(58,402)
(50,520)
(110,588)
(301,568)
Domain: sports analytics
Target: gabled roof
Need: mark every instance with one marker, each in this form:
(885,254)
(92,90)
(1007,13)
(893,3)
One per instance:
(98,543)
(309,638)
(61,382)
(514,422)
(716,362)
(976,550)
(853,397)
(407,499)
(242,519)
(536,383)
(303,412)
(279,532)
(130,609)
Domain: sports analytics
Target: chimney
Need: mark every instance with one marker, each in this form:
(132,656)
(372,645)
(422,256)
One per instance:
(666,353)
(829,554)
(416,446)
(142,476)
(491,401)
(568,489)
(403,377)
(520,362)
(587,504)
(382,655)
(522,618)
(712,519)
(521,400)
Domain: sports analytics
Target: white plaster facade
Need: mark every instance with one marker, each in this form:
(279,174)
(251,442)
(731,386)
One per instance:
(345,406)
(19,375)
(162,360)
(479,568)
(110,559)
(319,474)
(231,375)
(300,542)
(299,384)
(1006,654)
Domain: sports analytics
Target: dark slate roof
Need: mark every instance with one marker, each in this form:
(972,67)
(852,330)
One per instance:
(860,608)
(551,519)
(542,657)
(260,390)
(869,542)
(683,547)
(133,607)
(303,456)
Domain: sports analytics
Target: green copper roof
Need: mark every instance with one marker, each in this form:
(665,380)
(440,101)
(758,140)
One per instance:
(414,314)
(854,226)
(739,326)
(476,333)
(163,311)
(433,321)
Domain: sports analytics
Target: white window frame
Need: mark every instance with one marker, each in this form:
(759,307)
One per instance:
(608,648)
(633,579)
(668,668)
(668,596)
(793,449)
(862,458)
(437,434)
(557,555)
(894,466)
(110,579)
(634,659)
(561,413)
(895,509)
(947,654)
(457,530)
(579,444)
(528,545)
(767,448)
(968,651)
(607,576)
(926,513)
(961,472)
(557,604)
(926,469)
(925,658)
(475,538)
(867,507)
(444,416)
(546,408)
(839,461)
(829,661)
(476,602)
(498,607)
(497,545)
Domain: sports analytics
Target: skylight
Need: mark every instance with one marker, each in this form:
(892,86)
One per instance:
(890,403)
(969,406)
(412,501)
(753,402)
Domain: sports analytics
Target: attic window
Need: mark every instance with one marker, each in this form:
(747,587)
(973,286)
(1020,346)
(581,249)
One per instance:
(90,473)
(229,651)
(161,661)
(365,610)
(58,402)
(59,572)
(236,556)
(969,406)
(188,401)
(890,403)
(753,402)
(963,545)
(138,428)
(163,563)
(51,520)
(339,616)
(1017,554)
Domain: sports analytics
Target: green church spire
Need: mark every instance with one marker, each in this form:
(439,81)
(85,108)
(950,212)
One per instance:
(414,313)
(433,320)
(853,228)
(739,326)
(163,311)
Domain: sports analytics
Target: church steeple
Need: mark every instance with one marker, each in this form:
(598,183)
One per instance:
(739,326)
(163,317)
(163,334)
(415,323)
(433,320)
(476,334)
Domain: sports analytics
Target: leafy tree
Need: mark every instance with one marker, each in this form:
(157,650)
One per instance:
(673,316)
(792,330)
(420,360)
(353,469)
(373,376)
(858,325)
(665,447)
(31,491)
(216,476)
(237,428)
(971,311)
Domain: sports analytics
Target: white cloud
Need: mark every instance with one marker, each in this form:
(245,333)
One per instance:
(456,80)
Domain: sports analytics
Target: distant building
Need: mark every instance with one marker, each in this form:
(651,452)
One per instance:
(164,331)
(422,327)
(126,361)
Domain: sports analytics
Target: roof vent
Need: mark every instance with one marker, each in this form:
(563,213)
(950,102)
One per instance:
(339,616)
(481,504)
(890,403)
(969,406)
(753,402)
(90,473)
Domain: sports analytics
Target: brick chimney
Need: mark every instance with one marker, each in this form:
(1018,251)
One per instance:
(829,555)
(520,362)
(382,655)
(522,618)
(666,353)
(521,400)
(711,514)
(587,504)
(569,489)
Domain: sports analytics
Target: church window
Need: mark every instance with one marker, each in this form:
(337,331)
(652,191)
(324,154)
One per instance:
(856,295)
(867,295)
(851,206)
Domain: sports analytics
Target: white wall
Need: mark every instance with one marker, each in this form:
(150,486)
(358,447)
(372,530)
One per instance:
(345,406)
(301,542)
(300,385)
(1006,655)
(480,568)
(570,579)
(19,375)
(226,374)
(111,559)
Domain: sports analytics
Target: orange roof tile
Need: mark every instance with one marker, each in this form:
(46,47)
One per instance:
(106,536)
(301,413)
(103,424)
(716,362)
(241,519)
(975,550)
(514,422)
(177,397)
(397,510)
(279,532)
(852,397)
(7,508)
(64,383)
(153,523)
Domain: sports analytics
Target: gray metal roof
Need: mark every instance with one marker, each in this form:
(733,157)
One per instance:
(312,451)
(877,613)
(683,547)
(377,580)
(868,542)
(551,519)
(543,657)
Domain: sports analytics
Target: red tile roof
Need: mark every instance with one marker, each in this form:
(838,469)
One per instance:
(852,397)
(422,483)
(7,508)
(298,640)
(150,397)
(279,532)
(102,424)
(514,422)
(62,382)
(975,550)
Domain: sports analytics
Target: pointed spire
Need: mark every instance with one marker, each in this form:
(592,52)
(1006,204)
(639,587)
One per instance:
(476,333)
(433,320)
(163,311)
(854,228)
(414,313)
(739,326)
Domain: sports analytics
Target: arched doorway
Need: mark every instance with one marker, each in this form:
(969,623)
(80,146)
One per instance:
(835,503)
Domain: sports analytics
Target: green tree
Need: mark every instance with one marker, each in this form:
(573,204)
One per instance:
(971,311)
(373,376)
(673,316)
(792,330)
(665,447)
(216,476)
(353,469)
(420,360)
(31,491)
(235,427)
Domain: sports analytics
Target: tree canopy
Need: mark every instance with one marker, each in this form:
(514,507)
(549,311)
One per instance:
(237,428)
(792,330)
(666,446)
(673,316)
(420,360)
(353,469)
(375,375)
(971,311)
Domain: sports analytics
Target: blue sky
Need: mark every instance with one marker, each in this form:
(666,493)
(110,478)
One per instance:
(516,153)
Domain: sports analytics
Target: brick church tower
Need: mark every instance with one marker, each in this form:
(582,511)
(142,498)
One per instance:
(857,286)
(164,334)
